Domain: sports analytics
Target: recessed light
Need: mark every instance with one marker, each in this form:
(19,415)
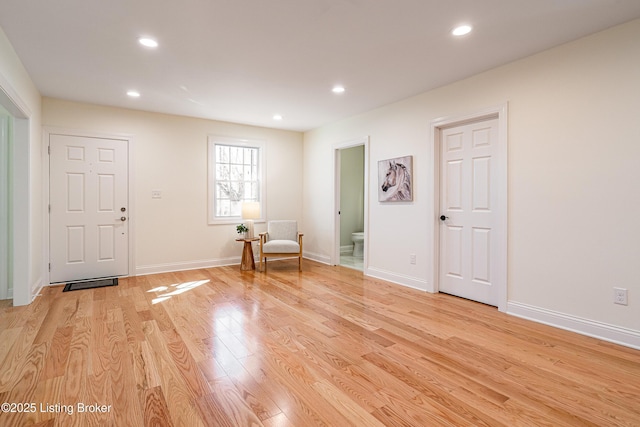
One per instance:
(147,42)
(461,30)
(133,94)
(277,117)
(338,89)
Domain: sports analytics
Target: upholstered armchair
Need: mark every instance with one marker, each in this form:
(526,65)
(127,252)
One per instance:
(281,240)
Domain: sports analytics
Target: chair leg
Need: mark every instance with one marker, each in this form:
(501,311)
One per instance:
(299,263)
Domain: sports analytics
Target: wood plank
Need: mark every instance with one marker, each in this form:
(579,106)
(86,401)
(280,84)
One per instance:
(181,403)
(156,412)
(58,353)
(350,409)
(126,408)
(30,371)
(256,397)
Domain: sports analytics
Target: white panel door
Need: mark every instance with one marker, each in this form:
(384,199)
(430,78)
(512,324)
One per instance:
(468,201)
(89,208)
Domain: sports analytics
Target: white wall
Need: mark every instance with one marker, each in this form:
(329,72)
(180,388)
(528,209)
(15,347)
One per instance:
(170,154)
(20,97)
(573,199)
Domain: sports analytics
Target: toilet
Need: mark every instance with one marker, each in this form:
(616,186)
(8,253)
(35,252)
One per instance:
(358,243)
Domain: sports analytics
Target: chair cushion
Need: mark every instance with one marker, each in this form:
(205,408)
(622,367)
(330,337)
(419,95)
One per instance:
(283,230)
(281,247)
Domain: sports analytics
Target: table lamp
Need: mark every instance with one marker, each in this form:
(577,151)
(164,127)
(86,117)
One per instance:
(250,211)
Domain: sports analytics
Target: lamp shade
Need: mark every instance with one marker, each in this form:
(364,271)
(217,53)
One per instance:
(250,210)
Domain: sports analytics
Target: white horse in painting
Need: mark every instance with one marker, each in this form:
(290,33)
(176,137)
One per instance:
(397,182)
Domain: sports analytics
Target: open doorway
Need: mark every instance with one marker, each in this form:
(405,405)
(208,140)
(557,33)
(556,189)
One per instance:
(351,201)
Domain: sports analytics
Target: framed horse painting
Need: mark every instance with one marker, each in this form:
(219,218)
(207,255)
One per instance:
(394,179)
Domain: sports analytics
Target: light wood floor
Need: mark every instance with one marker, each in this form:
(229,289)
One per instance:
(327,347)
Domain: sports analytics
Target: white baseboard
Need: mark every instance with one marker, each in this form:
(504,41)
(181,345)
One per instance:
(603,331)
(400,279)
(143,270)
(317,257)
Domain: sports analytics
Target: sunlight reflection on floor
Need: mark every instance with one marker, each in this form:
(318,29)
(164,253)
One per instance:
(179,288)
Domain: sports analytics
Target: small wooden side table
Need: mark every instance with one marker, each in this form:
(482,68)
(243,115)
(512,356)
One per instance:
(247,263)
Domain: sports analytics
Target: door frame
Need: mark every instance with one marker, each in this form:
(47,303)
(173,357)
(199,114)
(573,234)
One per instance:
(22,286)
(498,112)
(5,226)
(335,252)
(47,132)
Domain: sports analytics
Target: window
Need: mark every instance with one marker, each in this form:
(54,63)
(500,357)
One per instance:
(235,176)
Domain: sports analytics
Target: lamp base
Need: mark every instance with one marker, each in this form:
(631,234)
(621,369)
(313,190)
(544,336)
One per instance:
(250,233)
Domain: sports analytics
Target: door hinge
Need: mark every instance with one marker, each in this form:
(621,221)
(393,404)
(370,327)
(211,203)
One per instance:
(49,208)
(49,267)
(49,149)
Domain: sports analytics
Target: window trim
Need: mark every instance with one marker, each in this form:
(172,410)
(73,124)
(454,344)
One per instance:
(212,141)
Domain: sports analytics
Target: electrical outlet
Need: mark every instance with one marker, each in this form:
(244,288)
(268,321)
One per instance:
(412,258)
(156,194)
(620,296)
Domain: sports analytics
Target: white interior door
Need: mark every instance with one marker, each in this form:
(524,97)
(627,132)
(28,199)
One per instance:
(469,249)
(88,208)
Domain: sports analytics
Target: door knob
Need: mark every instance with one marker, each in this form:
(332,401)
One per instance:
(442,217)
(123,218)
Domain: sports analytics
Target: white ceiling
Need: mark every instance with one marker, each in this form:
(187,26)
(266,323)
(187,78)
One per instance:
(246,60)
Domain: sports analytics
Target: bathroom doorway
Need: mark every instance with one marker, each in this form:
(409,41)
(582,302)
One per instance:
(351,195)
